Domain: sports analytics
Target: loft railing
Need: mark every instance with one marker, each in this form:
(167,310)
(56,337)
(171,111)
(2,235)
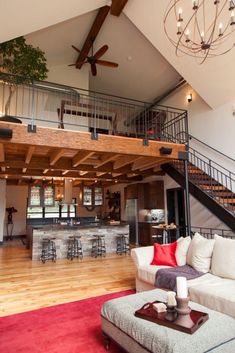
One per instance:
(64,107)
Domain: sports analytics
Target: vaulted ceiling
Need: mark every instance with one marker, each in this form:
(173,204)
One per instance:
(138,59)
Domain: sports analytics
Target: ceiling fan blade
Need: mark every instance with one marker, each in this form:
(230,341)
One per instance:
(107,63)
(101,51)
(75,48)
(93,69)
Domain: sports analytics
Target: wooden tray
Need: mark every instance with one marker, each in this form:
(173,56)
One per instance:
(147,312)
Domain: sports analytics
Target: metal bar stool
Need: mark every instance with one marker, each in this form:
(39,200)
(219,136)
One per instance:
(74,248)
(48,250)
(123,246)
(98,246)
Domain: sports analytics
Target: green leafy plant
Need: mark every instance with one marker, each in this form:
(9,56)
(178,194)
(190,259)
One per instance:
(23,63)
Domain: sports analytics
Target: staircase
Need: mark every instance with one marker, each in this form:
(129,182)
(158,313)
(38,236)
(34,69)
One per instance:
(210,183)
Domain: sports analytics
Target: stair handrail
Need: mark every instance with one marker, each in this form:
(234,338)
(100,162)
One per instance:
(210,163)
(212,148)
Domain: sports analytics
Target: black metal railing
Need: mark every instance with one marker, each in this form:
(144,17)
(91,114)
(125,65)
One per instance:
(209,233)
(213,179)
(59,106)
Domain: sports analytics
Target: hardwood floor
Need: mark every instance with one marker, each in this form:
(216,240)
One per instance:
(26,285)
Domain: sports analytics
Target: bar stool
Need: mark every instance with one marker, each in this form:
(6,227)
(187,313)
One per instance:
(123,246)
(48,250)
(74,248)
(98,247)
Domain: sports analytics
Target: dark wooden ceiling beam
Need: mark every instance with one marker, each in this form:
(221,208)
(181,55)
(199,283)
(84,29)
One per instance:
(117,7)
(97,24)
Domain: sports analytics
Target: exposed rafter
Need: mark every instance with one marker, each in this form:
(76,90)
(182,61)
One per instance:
(80,157)
(124,160)
(117,7)
(97,24)
(29,154)
(55,156)
(105,159)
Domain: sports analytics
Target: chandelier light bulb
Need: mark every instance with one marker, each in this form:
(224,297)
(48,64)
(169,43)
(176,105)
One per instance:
(212,27)
(232,22)
(187,35)
(180,18)
(220,29)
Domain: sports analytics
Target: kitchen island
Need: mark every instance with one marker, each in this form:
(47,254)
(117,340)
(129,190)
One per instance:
(61,233)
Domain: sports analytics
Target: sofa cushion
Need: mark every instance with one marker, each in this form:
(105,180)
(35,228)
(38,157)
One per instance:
(164,255)
(223,258)
(200,252)
(214,292)
(181,250)
(147,273)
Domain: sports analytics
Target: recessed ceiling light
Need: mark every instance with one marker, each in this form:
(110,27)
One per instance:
(129,58)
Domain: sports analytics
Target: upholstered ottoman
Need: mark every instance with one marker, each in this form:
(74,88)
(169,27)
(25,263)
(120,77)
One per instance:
(136,335)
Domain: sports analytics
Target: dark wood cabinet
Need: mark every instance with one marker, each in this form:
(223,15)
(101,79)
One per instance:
(154,195)
(131,191)
(146,233)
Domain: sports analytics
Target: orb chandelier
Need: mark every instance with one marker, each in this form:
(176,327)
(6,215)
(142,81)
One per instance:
(201,28)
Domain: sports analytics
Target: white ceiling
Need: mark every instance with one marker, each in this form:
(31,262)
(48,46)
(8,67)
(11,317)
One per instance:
(143,73)
(143,77)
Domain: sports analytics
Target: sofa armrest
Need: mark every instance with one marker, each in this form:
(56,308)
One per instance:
(142,256)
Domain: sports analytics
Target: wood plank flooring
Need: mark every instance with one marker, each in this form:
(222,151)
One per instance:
(26,285)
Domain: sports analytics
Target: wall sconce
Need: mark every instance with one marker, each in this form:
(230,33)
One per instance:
(189,97)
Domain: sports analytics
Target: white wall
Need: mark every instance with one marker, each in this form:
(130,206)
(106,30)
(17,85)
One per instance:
(2,207)
(16,196)
(67,75)
(214,127)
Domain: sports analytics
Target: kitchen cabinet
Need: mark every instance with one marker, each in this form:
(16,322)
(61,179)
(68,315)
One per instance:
(92,196)
(154,195)
(131,191)
(146,232)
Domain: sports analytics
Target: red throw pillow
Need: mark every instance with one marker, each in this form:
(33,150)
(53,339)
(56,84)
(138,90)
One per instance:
(164,254)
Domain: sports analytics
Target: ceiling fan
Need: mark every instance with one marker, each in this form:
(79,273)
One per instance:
(94,59)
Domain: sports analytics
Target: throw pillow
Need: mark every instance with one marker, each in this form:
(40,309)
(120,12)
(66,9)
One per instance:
(181,250)
(223,258)
(164,254)
(200,253)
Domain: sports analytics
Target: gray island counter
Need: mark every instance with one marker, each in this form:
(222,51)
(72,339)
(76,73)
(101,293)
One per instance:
(61,233)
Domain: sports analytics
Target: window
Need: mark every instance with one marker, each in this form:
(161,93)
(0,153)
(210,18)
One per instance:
(55,211)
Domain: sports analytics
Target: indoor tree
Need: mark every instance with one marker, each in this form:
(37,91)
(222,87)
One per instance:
(23,63)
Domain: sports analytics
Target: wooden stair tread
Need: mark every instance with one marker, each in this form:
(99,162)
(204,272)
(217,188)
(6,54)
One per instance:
(227,200)
(215,187)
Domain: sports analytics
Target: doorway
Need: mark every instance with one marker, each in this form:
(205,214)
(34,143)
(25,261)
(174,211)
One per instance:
(176,209)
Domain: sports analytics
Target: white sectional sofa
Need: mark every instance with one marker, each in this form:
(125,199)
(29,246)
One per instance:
(215,289)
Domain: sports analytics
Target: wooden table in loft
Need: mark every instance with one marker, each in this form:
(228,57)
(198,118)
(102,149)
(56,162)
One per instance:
(164,234)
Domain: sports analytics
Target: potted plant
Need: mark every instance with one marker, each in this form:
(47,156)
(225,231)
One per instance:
(23,64)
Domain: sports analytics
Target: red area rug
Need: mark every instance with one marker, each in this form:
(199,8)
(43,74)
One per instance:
(66,328)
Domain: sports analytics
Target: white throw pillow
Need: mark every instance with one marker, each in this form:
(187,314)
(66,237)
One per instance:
(200,253)
(223,258)
(181,250)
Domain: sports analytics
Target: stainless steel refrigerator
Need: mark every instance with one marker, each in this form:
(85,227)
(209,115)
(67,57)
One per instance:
(132,219)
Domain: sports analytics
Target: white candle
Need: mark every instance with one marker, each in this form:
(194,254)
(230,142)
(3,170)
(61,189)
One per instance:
(181,285)
(171,301)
